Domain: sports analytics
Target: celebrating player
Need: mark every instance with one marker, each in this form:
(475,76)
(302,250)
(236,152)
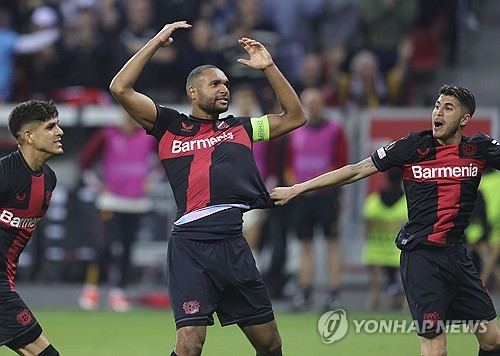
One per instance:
(441,174)
(214,177)
(26,187)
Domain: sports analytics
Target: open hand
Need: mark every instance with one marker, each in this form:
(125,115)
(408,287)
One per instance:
(168,29)
(260,58)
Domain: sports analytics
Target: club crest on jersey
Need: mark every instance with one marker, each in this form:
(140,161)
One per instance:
(191,307)
(469,149)
(221,125)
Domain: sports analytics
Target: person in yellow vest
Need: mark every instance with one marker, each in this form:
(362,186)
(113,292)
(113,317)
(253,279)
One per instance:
(489,251)
(384,212)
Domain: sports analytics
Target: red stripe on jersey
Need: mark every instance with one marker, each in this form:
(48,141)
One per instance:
(447,170)
(200,147)
(37,196)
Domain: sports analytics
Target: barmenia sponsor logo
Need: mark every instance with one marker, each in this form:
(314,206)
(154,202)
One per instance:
(187,146)
(444,172)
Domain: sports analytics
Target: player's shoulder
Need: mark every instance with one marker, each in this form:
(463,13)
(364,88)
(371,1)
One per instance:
(7,163)
(480,137)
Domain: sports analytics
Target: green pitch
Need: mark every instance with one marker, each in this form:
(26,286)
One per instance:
(152,332)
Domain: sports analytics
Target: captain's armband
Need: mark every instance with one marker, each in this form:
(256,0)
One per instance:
(260,128)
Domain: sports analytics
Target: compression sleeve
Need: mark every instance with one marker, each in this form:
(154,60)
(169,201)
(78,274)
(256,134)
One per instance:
(260,128)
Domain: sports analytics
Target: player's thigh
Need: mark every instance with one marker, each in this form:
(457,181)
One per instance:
(488,335)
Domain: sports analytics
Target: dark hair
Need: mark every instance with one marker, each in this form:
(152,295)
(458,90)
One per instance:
(464,96)
(195,73)
(31,111)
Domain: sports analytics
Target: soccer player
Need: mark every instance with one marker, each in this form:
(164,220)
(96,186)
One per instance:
(441,173)
(211,169)
(26,187)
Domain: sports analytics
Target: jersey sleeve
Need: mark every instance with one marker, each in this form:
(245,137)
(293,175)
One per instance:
(491,150)
(392,155)
(164,117)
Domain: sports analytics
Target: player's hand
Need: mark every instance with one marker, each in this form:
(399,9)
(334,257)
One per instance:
(164,35)
(260,58)
(283,195)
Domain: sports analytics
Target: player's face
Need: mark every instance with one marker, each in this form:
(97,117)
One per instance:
(448,119)
(213,92)
(47,136)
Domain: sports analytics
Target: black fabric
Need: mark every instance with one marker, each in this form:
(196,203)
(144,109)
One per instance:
(49,351)
(488,353)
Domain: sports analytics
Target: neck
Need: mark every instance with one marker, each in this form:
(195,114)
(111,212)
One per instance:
(34,159)
(200,114)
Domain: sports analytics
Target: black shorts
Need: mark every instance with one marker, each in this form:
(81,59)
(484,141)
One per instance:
(442,286)
(316,210)
(18,326)
(215,276)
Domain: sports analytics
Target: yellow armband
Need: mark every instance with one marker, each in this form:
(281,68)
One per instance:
(260,128)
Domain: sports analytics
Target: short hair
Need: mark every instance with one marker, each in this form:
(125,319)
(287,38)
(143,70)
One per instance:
(31,111)
(195,73)
(464,96)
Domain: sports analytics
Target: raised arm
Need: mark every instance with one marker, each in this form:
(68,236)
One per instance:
(293,115)
(139,106)
(345,175)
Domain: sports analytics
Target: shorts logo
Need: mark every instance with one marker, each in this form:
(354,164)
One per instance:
(24,317)
(191,307)
(431,319)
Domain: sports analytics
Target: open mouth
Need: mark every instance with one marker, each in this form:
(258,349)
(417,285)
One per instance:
(438,125)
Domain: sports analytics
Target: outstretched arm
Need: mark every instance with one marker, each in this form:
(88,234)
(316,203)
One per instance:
(293,115)
(140,107)
(345,175)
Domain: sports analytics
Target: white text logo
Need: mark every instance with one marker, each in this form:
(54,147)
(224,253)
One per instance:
(444,172)
(9,218)
(187,146)
(332,326)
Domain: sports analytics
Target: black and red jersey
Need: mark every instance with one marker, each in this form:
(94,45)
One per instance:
(440,182)
(209,164)
(24,198)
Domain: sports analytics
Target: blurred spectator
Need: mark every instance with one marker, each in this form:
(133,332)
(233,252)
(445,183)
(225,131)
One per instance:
(384,213)
(159,79)
(247,22)
(12,43)
(387,24)
(294,23)
(199,49)
(365,85)
(122,181)
(316,148)
(339,25)
(490,251)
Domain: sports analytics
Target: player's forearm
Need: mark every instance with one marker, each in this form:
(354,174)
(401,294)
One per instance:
(334,178)
(286,96)
(130,72)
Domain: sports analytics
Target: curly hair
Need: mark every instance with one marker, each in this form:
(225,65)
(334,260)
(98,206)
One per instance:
(31,111)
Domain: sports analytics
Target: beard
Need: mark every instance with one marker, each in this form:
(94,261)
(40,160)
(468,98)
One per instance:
(209,105)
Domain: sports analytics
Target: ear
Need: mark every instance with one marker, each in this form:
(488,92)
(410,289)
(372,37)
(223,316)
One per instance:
(27,136)
(192,93)
(465,119)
